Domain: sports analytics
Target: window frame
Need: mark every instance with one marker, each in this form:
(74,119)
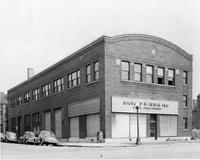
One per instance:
(185,101)
(185,123)
(35,94)
(185,77)
(127,71)
(171,79)
(74,79)
(96,70)
(58,85)
(162,77)
(138,73)
(46,90)
(89,73)
(150,75)
(27,97)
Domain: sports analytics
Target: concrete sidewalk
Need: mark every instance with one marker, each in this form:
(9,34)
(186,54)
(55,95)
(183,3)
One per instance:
(120,144)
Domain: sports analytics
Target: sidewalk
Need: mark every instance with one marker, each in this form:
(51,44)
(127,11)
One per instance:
(131,144)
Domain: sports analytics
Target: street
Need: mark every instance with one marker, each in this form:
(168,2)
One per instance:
(178,150)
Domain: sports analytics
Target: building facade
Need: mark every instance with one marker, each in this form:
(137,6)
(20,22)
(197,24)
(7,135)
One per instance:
(3,111)
(97,89)
(196,114)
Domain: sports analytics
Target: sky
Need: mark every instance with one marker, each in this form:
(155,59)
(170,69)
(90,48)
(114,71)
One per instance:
(39,33)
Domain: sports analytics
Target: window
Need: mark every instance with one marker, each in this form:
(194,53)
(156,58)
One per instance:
(184,100)
(96,70)
(149,74)
(36,118)
(27,123)
(46,90)
(138,72)
(19,100)
(36,94)
(12,102)
(13,125)
(88,73)
(125,70)
(58,85)
(74,79)
(185,77)
(171,79)
(185,123)
(27,97)
(160,77)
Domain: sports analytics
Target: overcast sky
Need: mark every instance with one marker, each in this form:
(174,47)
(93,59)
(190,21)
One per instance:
(39,33)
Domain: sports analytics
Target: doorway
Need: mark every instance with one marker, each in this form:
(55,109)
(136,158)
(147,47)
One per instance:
(153,126)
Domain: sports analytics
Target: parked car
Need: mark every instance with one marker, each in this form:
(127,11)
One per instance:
(47,137)
(29,137)
(10,137)
(2,137)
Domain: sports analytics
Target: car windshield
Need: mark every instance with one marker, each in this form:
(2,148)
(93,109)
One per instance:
(49,134)
(30,134)
(11,134)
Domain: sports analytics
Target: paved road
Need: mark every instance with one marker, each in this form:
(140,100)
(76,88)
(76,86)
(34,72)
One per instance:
(19,151)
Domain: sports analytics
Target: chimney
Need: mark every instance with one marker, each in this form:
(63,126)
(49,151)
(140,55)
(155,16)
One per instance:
(30,73)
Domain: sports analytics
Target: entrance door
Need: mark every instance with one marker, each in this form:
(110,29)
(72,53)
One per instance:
(58,123)
(47,121)
(19,128)
(153,126)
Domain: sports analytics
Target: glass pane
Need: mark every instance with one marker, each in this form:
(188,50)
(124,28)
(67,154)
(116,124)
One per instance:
(96,66)
(74,75)
(89,69)
(125,66)
(137,77)
(149,78)
(149,69)
(160,71)
(138,68)
(125,75)
(170,73)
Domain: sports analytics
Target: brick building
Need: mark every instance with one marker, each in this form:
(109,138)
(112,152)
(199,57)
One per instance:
(98,87)
(196,113)
(3,112)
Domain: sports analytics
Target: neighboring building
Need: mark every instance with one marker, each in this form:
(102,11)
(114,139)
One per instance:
(196,114)
(97,87)
(3,110)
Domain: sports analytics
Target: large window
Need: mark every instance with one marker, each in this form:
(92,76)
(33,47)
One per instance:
(19,100)
(58,85)
(185,79)
(96,70)
(36,94)
(74,79)
(171,77)
(27,122)
(88,73)
(27,97)
(46,90)
(138,72)
(184,100)
(125,70)
(160,77)
(149,74)
(185,123)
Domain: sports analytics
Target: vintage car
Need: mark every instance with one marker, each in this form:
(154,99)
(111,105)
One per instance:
(2,137)
(47,137)
(10,137)
(29,137)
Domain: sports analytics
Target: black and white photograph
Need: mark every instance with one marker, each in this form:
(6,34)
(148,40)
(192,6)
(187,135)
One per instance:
(99,79)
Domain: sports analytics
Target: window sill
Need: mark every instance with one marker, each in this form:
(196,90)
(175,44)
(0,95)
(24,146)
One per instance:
(73,87)
(154,84)
(60,92)
(89,83)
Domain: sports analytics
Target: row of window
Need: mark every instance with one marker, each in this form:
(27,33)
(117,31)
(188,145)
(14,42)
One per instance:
(58,84)
(27,121)
(125,73)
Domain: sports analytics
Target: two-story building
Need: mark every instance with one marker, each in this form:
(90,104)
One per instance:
(97,89)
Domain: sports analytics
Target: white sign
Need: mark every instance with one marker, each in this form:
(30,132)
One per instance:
(128,105)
